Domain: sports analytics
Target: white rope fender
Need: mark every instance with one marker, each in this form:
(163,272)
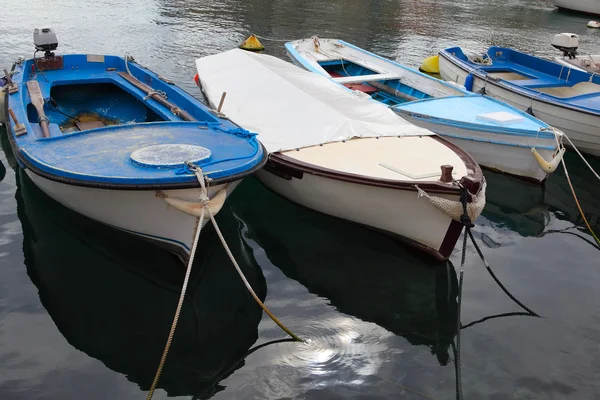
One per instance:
(454,209)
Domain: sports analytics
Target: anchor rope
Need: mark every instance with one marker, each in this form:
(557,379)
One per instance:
(587,224)
(204,199)
(465,219)
(198,173)
(200,221)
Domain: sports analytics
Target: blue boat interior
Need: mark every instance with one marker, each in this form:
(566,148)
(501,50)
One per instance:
(97,118)
(534,74)
(467,110)
(341,67)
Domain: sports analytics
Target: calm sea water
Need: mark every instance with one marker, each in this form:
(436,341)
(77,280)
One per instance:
(85,310)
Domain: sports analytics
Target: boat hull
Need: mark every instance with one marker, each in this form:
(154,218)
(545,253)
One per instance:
(580,127)
(397,212)
(507,153)
(140,212)
(591,7)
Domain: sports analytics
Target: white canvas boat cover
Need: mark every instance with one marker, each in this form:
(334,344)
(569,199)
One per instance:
(292,108)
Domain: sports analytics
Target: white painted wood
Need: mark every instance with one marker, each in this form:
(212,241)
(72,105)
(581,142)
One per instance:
(140,212)
(399,212)
(582,128)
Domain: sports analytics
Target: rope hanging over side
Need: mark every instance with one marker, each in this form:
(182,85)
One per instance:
(205,200)
(587,224)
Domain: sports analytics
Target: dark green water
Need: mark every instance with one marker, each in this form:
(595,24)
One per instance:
(85,310)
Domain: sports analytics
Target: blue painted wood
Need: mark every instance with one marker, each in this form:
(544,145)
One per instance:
(95,91)
(542,73)
(456,111)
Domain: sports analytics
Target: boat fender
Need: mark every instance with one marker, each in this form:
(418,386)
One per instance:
(546,166)
(195,208)
(469,82)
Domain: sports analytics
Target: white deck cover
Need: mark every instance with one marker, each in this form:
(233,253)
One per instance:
(292,108)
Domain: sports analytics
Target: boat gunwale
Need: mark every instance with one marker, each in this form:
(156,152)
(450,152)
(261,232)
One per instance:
(524,92)
(25,163)
(279,159)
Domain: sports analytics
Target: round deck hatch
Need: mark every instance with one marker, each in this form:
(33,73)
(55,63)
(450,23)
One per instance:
(170,155)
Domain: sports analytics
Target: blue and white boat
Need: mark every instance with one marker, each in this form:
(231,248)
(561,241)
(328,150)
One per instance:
(113,141)
(497,135)
(562,96)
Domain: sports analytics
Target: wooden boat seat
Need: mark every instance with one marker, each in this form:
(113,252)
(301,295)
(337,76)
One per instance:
(366,78)
(578,89)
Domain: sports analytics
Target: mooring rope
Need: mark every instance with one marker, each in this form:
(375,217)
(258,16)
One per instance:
(188,271)
(468,224)
(587,224)
(200,177)
(204,199)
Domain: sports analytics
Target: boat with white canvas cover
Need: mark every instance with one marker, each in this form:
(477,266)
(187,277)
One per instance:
(583,6)
(565,98)
(111,140)
(498,136)
(345,155)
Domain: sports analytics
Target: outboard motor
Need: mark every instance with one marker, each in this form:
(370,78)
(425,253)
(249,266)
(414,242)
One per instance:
(45,40)
(567,43)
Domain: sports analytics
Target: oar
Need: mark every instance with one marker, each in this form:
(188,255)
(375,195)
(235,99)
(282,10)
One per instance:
(35,94)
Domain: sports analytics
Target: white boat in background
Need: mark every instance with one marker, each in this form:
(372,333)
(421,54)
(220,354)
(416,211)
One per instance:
(582,6)
(498,136)
(565,98)
(342,154)
(568,44)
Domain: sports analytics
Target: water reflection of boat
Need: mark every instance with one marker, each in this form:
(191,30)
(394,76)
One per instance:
(113,296)
(515,204)
(362,273)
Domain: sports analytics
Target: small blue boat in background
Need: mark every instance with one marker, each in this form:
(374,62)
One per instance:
(497,135)
(562,96)
(115,142)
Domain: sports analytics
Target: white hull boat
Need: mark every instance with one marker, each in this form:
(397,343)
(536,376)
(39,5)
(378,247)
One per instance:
(567,100)
(343,154)
(497,135)
(568,44)
(583,6)
(96,139)
(142,212)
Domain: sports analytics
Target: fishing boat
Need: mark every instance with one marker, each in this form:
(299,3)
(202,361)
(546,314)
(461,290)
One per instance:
(583,6)
(119,144)
(497,135)
(563,97)
(119,308)
(345,155)
(568,43)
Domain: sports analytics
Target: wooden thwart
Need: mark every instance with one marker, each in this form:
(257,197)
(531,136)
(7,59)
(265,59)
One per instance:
(152,93)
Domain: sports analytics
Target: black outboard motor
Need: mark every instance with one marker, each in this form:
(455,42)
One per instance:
(567,43)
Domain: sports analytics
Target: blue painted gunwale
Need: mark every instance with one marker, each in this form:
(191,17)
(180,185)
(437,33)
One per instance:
(448,115)
(433,114)
(546,74)
(63,157)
